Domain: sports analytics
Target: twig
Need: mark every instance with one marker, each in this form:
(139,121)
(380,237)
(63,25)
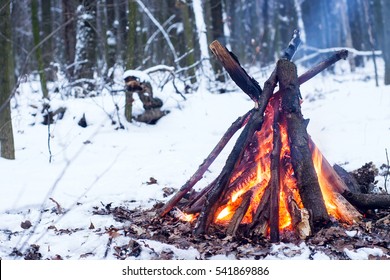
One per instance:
(48,132)
(158,25)
(108,246)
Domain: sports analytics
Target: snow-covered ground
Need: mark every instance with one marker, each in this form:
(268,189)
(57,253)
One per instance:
(97,165)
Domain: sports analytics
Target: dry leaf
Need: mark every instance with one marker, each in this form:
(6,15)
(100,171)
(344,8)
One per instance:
(26,224)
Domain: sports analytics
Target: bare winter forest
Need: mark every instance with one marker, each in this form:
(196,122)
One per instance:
(87,40)
(109,105)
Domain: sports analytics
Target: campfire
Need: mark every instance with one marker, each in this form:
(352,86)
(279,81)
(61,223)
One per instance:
(275,179)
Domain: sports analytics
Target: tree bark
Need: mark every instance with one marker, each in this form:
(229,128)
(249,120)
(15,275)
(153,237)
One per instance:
(217,33)
(111,34)
(47,23)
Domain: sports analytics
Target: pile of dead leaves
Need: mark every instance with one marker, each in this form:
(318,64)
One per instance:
(373,232)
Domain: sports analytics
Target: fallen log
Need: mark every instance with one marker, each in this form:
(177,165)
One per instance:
(366,201)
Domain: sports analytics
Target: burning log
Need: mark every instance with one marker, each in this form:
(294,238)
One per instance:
(307,180)
(274,183)
(275,178)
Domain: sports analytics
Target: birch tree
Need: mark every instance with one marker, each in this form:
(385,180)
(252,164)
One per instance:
(202,37)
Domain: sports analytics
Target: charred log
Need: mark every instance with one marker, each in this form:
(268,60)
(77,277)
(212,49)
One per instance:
(230,62)
(307,180)
(365,201)
(274,183)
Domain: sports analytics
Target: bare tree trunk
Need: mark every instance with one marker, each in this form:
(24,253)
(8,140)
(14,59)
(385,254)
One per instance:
(189,39)
(38,51)
(386,39)
(7,149)
(47,24)
(111,34)
(69,12)
(355,17)
(131,54)
(85,56)
(217,34)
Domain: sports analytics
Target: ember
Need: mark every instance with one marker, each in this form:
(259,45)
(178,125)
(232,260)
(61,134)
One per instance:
(275,179)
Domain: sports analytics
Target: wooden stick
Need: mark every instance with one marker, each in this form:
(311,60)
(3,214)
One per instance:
(240,122)
(336,56)
(261,216)
(239,214)
(274,183)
